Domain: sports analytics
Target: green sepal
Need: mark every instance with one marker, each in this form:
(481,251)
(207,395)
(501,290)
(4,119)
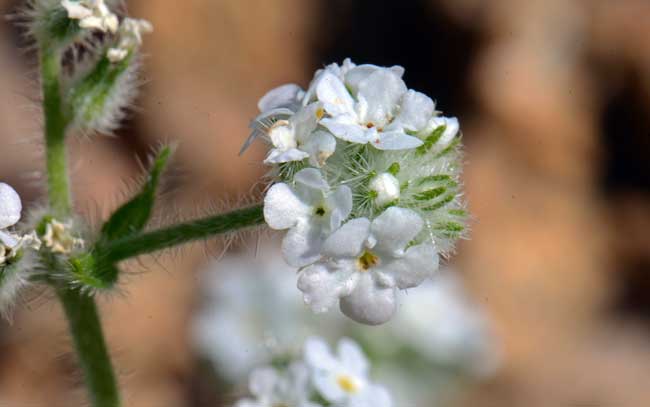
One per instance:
(56,29)
(133,216)
(90,98)
(431,140)
(90,273)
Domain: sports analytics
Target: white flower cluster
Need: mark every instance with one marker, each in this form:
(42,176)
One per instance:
(10,212)
(369,189)
(322,378)
(96,15)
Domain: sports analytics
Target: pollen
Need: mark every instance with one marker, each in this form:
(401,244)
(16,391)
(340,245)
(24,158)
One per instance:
(320,112)
(347,383)
(367,260)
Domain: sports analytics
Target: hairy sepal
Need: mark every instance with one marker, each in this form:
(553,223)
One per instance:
(98,101)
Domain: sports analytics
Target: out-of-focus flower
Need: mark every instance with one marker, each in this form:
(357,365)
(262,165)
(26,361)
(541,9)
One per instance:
(272,388)
(10,212)
(343,379)
(59,238)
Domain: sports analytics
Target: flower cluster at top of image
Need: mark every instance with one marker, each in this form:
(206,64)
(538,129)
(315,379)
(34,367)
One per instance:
(367,186)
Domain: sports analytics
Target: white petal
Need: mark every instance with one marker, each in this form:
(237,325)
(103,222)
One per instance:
(283,208)
(373,395)
(10,206)
(322,287)
(382,90)
(277,156)
(417,109)
(368,303)
(311,187)
(354,76)
(394,229)
(320,146)
(328,387)
(396,140)
(340,205)
(302,244)
(352,357)
(335,97)
(348,240)
(318,355)
(348,132)
(282,96)
(450,132)
(419,263)
(9,239)
(306,120)
(262,382)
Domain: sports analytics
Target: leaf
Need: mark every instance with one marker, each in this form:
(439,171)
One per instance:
(133,216)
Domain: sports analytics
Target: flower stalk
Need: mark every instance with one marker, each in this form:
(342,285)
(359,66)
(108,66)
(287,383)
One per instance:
(55,127)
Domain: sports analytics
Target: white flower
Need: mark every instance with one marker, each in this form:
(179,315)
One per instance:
(386,187)
(130,37)
(274,389)
(454,331)
(294,139)
(343,380)
(10,209)
(365,263)
(375,116)
(92,14)
(252,312)
(310,210)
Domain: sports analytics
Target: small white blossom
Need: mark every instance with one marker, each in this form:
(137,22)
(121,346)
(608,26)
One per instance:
(59,239)
(294,139)
(130,37)
(10,211)
(375,116)
(92,14)
(272,388)
(343,379)
(364,263)
(310,210)
(386,187)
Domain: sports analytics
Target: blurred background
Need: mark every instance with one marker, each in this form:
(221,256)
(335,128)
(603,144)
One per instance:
(554,102)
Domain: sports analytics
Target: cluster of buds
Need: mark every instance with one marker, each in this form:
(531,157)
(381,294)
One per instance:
(96,15)
(367,186)
(318,379)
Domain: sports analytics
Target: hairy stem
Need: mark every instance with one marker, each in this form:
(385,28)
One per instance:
(80,309)
(55,126)
(86,330)
(149,242)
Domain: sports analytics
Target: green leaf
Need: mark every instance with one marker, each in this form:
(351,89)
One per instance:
(133,216)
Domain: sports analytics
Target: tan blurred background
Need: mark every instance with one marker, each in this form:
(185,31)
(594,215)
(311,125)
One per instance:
(554,102)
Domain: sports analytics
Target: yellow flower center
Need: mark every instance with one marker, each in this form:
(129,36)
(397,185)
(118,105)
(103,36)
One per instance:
(366,260)
(347,383)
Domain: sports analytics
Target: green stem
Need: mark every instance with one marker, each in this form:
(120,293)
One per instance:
(135,245)
(55,126)
(86,329)
(80,309)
